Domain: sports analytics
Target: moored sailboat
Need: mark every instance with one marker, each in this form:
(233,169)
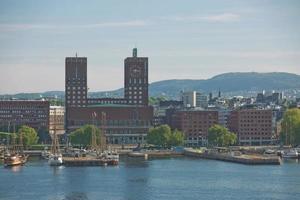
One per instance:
(55,157)
(14,157)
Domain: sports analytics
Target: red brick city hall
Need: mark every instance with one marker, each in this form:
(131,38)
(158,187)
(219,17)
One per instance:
(123,120)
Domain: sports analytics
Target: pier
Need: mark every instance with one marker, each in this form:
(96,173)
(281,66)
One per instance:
(242,159)
(84,161)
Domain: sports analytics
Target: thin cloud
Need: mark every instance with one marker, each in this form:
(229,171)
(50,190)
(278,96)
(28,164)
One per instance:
(224,17)
(22,27)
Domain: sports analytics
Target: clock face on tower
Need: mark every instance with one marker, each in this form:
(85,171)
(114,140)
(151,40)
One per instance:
(135,71)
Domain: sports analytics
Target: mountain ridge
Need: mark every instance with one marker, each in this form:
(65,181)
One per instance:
(232,82)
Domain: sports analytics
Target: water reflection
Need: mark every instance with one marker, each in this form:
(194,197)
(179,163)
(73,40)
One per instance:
(135,162)
(56,169)
(76,196)
(290,161)
(137,178)
(15,169)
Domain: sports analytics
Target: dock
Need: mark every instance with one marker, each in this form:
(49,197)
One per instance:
(154,154)
(242,159)
(83,161)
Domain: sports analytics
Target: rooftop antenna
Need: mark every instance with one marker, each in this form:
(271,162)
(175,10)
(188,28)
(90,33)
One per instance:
(76,66)
(134,52)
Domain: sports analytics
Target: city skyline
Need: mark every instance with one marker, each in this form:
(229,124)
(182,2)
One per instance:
(196,40)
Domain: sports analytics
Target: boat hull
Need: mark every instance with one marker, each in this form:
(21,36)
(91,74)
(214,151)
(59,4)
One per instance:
(55,160)
(15,160)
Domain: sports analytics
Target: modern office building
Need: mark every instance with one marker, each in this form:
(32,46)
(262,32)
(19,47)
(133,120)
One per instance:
(201,100)
(189,99)
(15,113)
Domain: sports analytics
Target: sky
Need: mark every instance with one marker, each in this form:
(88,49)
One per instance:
(184,39)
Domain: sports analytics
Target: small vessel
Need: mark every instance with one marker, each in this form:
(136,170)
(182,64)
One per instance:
(55,157)
(111,157)
(45,154)
(292,153)
(14,157)
(270,151)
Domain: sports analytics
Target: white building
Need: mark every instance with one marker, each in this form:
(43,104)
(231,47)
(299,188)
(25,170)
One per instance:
(189,98)
(57,119)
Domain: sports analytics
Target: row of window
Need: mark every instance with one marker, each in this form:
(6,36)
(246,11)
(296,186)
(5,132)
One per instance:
(78,101)
(74,97)
(113,122)
(134,101)
(255,138)
(259,121)
(135,92)
(137,80)
(78,88)
(134,88)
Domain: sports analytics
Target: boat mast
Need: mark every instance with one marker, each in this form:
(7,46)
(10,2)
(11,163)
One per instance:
(93,136)
(54,147)
(13,141)
(103,132)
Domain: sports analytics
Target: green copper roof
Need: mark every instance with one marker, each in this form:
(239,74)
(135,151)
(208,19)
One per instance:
(110,105)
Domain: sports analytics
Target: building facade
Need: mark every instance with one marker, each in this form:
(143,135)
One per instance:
(194,124)
(201,100)
(76,82)
(122,124)
(15,113)
(57,119)
(252,126)
(136,79)
(189,98)
(127,120)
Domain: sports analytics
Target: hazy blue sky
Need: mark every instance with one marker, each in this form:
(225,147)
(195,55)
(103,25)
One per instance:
(183,39)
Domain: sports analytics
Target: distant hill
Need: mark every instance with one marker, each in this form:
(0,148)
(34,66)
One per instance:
(230,83)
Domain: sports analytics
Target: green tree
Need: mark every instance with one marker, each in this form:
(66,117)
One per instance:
(30,136)
(164,137)
(290,127)
(220,136)
(83,135)
(159,135)
(176,139)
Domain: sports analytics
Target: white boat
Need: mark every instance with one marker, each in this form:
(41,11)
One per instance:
(45,154)
(292,153)
(55,159)
(111,157)
(270,151)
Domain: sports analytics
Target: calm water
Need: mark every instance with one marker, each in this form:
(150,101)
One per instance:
(175,178)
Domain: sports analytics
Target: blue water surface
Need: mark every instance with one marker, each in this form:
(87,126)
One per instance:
(173,178)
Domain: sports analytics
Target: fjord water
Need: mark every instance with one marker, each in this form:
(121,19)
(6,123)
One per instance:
(174,178)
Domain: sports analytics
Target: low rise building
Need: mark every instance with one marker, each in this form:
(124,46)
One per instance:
(194,124)
(252,126)
(33,113)
(122,124)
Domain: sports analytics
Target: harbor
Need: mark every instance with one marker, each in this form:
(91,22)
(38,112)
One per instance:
(151,179)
